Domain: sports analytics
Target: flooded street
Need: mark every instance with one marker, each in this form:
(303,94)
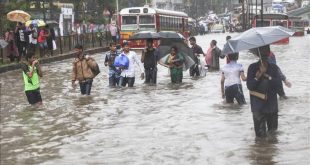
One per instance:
(163,124)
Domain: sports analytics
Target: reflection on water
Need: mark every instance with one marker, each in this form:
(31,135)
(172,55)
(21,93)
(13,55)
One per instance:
(162,124)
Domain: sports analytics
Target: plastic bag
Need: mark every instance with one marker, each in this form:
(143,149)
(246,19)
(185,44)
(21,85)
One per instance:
(54,45)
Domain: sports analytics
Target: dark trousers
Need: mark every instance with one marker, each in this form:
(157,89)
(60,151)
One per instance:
(234,92)
(150,75)
(113,78)
(261,120)
(194,70)
(123,81)
(21,46)
(85,86)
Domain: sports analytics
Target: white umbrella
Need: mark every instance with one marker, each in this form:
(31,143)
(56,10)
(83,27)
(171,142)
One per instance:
(256,37)
(18,16)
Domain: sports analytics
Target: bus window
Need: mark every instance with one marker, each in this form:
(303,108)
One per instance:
(259,23)
(147,22)
(147,19)
(129,23)
(279,23)
(129,20)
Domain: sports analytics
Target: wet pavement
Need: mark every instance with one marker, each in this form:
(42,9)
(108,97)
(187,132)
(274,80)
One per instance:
(163,124)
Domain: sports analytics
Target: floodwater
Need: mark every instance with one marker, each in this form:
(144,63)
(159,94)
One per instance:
(163,124)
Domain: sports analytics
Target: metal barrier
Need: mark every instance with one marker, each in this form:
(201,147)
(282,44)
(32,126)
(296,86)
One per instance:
(67,43)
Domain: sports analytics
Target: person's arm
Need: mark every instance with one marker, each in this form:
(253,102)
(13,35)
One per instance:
(222,85)
(25,69)
(242,75)
(38,67)
(252,78)
(106,60)
(143,55)
(161,62)
(136,59)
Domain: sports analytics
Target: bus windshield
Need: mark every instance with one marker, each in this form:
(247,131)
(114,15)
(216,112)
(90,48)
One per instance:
(279,23)
(146,22)
(129,23)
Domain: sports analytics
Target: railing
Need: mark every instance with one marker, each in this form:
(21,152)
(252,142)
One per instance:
(65,44)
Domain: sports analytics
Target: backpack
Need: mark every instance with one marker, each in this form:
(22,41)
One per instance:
(96,69)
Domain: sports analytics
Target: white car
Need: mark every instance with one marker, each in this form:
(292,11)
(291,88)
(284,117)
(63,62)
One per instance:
(217,28)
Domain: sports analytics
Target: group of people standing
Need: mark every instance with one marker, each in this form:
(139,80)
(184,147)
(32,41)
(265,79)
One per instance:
(25,39)
(264,78)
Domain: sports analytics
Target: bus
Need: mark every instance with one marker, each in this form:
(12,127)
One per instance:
(297,25)
(135,19)
(272,19)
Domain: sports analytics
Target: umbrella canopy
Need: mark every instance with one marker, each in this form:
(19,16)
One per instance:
(144,35)
(256,37)
(36,23)
(18,16)
(3,43)
(165,47)
(171,35)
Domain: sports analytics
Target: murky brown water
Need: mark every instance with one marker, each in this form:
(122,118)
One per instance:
(163,124)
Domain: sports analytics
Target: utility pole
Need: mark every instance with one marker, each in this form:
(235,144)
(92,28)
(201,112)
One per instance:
(243,15)
(262,12)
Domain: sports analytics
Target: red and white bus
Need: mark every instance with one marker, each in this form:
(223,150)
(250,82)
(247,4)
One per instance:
(272,19)
(298,25)
(135,19)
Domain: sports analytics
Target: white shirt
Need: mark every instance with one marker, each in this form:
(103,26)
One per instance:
(113,30)
(232,72)
(133,58)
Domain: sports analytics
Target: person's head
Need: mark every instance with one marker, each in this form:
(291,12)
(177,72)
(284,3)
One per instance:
(30,57)
(8,30)
(47,26)
(149,43)
(213,43)
(20,24)
(192,40)
(126,47)
(113,46)
(174,50)
(228,38)
(262,52)
(233,56)
(79,49)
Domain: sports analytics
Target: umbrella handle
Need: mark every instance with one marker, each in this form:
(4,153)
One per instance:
(260,56)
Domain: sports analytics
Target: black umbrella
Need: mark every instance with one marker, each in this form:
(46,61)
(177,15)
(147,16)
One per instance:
(171,35)
(144,35)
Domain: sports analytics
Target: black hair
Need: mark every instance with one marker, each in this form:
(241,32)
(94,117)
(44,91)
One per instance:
(192,39)
(78,46)
(228,38)
(112,43)
(125,43)
(149,40)
(29,55)
(213,42)
(233,56)
(175,48)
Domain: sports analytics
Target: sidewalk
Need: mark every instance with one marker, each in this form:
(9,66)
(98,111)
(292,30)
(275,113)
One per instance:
(58,57)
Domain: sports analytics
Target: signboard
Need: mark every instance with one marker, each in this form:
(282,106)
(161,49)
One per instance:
(66,11)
